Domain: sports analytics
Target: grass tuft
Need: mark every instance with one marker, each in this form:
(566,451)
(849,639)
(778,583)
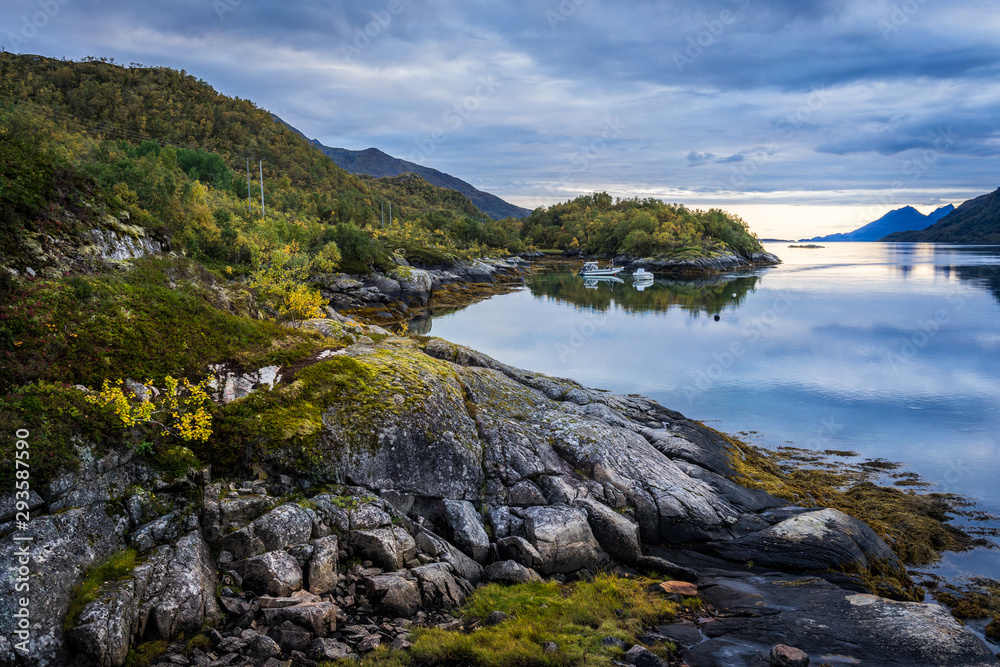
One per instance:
(116,567)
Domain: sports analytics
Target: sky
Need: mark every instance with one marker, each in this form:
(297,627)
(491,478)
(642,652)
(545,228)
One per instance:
(805,117)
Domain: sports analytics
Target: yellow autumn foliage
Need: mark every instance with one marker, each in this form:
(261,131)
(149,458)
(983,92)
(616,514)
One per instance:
(182,411)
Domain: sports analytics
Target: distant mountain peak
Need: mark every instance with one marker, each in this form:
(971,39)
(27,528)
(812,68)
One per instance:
(976,221)
(379,164)
(901,219)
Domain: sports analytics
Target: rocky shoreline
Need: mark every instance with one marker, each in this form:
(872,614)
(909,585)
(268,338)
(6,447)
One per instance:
(406,292)
(380,298)
(464,471)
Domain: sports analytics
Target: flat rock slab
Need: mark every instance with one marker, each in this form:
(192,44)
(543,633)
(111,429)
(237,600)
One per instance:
(829,624)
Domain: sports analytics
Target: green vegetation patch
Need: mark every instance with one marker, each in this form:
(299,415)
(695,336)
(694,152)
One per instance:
(575,617)
(356,394)
(598,225)
(158,319)
(55,415)
(115,568)
(146,654)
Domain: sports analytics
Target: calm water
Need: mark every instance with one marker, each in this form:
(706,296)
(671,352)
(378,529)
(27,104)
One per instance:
(889,350)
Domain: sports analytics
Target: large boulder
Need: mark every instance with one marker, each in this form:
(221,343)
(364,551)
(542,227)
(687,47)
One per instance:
(759,611)
(415,286)
(104,628)
(321,575)
(563,539)
(408,432)
(465,529)
(275,573)
(439,587)
(392,595)
(85,526)
(510,572)
(377,545)
(812,542)
(616,534)
(282,527)
(172,593)
(178,589)
(64,543)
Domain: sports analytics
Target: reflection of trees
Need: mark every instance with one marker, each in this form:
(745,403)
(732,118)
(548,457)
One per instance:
(709,295)
(981,276)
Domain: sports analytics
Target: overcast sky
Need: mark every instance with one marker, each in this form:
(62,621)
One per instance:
(804,116)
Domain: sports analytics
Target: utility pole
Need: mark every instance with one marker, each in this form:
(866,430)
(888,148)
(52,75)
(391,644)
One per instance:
(263,213)
(249,205)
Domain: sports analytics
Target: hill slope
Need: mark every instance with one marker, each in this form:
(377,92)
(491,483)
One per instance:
(373,162)
(977,221)
(899,220)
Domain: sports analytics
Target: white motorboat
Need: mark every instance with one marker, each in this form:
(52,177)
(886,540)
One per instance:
(642,274)
(591,269)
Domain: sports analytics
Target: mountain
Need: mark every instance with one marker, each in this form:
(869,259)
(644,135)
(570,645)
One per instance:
(977,221)
(373,162)
(900,220)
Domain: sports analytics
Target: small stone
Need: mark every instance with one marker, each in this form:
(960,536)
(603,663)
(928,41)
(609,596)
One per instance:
(684,634)
(677,588)
(262,646)
(550,647)
(615,642)
(783,655)
(450,625)
(267,602)
(400,644)
(643,657)
(234,606)
(369,643)
(329,649)
(496,617)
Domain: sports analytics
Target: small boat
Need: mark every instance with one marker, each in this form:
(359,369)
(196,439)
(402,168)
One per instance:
(592,269)
(642,274)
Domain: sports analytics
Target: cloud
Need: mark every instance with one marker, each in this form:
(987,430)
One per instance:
(695,157)
(831,100)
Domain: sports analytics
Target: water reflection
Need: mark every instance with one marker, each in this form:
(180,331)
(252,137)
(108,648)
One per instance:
(709,296)
(987,277)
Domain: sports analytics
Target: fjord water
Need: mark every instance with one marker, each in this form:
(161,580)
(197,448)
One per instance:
(889,350)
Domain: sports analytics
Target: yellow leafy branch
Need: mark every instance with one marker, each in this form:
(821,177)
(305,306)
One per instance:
(182,412)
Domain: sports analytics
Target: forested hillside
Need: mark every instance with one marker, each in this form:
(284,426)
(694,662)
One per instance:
(171,152)
(637,227)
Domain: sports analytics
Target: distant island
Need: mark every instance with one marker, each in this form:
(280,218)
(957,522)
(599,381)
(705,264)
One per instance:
(810,246)
(900,220)
(977,221)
